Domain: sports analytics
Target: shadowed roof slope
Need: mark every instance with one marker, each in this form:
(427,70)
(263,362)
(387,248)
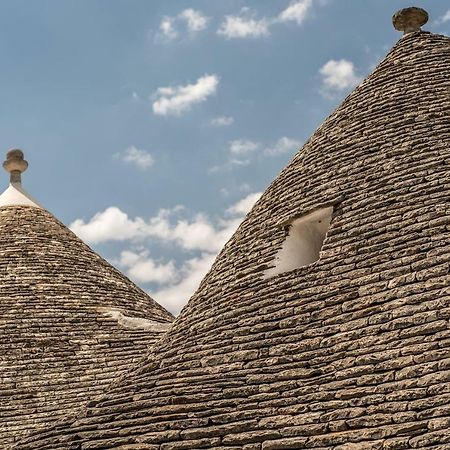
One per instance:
(350,352)
(69,322)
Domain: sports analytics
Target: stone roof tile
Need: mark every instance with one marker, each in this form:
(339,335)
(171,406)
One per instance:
(62,333)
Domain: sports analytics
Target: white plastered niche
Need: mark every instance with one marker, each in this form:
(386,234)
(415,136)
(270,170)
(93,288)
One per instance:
(304,242)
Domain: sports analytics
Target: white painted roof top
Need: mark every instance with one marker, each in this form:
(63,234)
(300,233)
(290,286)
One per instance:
(15,195)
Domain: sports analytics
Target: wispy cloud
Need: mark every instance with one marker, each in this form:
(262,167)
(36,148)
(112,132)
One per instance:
(295,12)
(239,151)
(142,159)
(221,121)
(444,18)
(243,206)
(195,20)
(244,25)
(242,152)
(174,101)
(167,28)
(243,147)
(247,24)
(189,19)
(198,236)
(229,165)
(282,146)
(338,76)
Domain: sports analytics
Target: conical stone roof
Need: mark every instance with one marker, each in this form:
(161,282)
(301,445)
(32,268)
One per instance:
(69,322)
(350,352)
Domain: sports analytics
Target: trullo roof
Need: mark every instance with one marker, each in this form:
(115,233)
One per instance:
(351,352)
(69,322)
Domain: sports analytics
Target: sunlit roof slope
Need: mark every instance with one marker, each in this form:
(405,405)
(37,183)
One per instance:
(69,322)
(350,350)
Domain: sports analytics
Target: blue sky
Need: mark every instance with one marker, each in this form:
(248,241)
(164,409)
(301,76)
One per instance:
(152,127)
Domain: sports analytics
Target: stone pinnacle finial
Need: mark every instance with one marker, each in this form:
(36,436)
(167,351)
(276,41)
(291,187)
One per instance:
(410,19)
(15,164)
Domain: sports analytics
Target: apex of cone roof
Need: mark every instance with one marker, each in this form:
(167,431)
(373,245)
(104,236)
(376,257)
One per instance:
(409,19)
(15,195)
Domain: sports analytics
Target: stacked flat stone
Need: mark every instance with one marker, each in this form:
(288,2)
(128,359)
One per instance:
(351,352)
(60,341)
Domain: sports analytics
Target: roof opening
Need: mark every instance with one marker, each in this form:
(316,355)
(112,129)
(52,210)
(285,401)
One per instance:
(303,243)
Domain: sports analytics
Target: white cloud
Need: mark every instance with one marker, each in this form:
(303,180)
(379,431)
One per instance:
(174,296)
(244,25)
(295,12)
(229,165)
(167,29)
(239,162)
(243,151)
(143,269)
(140,158)
(199,235)
(283,145)
(221,121)
(338,75)
(444,18)
(247,25)
(239,150)
(112,224)
(195,20)
(177,100)
(192,20)
(243,206)
(243,146)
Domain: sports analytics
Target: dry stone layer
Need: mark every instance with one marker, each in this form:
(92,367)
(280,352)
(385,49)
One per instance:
(351,352)
(61,340)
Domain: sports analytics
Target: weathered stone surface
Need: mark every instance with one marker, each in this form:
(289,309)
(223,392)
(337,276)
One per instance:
(350,352)
(61,341)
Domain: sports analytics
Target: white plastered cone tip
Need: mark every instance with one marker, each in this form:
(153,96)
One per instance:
(15,195)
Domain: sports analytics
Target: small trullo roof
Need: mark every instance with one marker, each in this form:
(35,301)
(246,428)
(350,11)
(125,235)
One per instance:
(351,352)
(69,322)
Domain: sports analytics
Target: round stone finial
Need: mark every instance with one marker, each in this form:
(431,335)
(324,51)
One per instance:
(410,19)
(15,164)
